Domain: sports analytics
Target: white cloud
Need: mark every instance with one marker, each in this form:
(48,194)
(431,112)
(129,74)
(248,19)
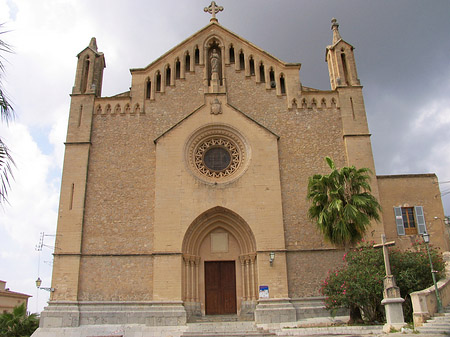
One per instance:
(32,208)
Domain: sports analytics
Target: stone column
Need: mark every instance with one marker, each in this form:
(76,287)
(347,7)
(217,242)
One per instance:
(244,293)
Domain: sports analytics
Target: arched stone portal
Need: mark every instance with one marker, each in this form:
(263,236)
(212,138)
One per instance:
(219,237)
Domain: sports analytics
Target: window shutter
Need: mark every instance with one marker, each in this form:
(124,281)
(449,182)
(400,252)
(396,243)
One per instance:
(421,226)
(399,221)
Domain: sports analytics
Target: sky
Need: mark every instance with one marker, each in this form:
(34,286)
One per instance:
(402,51)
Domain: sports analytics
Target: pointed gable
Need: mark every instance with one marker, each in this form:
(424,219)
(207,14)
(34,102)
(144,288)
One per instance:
(234,52)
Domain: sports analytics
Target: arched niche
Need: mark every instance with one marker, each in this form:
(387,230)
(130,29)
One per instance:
(214,52)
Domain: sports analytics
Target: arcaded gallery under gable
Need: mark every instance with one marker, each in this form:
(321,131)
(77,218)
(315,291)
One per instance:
(186,196)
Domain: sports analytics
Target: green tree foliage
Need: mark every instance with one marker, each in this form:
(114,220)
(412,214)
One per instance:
(6,114)
(341,203)
(359,283)
(18,323)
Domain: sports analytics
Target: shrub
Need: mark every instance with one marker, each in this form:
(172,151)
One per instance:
(359,282)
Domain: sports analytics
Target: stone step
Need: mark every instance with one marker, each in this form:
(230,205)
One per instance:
(436,331)
(221,318)
(333,330)
(438,325)
(221,327)
(230,334)
(225,329)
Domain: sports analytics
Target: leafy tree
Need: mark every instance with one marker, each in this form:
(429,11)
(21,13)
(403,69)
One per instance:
(6,114)
(341,203)
(359,283)
(18,323)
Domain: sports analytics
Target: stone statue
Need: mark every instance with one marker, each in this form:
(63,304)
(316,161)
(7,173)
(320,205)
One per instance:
(215,61)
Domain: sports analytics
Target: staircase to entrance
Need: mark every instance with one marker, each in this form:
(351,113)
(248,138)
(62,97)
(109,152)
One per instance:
(225,329)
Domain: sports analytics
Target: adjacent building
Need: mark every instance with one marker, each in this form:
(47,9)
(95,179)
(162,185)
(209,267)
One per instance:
(11,299)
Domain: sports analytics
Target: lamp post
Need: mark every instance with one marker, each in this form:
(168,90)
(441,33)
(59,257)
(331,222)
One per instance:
(426,239)
(38,285)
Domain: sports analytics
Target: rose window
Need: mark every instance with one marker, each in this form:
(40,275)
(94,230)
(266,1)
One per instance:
(217,157)
(217,154)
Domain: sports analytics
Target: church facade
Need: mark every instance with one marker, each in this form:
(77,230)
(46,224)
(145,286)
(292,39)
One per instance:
(186,196)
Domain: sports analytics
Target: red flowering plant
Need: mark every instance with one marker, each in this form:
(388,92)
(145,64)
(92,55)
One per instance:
(358,284)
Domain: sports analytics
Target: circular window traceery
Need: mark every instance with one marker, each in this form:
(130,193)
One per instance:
(217,154)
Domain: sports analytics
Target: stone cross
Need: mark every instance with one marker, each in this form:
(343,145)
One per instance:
(385,244)
(392,300)
(213,9)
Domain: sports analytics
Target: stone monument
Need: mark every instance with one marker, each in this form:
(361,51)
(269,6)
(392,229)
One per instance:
(392,299)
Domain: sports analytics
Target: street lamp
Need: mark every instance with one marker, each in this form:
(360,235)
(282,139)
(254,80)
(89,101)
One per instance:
(426,239)
(446,219)
(38,285)
(271,257)
(445,223)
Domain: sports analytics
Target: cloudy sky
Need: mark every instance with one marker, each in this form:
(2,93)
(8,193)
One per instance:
(402,50)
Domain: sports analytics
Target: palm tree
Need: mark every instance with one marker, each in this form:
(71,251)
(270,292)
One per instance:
(341,204)
(6,114)
(18,323)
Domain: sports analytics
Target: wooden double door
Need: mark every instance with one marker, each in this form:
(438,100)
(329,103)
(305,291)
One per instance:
(220,287)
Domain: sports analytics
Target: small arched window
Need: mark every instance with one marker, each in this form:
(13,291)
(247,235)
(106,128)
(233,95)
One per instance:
(252,66)
(168,74)
(262,73)
(148,88)
(282,85)
(273,84)
(241,60)
(187,61)
(197,55)
(177,69)
(158,81)
(231,54)
(85,76)
(344,68)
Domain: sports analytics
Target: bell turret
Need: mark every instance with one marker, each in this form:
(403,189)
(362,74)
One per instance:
(89,76)
(341,61)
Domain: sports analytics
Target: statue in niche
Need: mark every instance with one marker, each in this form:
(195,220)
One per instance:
(215,61)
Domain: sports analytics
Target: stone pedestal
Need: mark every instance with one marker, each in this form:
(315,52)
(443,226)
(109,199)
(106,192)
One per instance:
(215,82)
(393,305)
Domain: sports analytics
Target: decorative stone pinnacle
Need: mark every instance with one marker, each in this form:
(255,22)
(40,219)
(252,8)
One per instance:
(335,29)
(93,44)
(213,9)
(334,23)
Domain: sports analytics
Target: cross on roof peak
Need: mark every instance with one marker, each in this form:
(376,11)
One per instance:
(213,9)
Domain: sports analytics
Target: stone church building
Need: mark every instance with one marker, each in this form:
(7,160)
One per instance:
(186,196)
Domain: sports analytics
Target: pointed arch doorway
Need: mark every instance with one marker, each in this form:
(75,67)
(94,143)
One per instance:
(219,265)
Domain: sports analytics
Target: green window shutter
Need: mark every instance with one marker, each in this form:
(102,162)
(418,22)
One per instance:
(399,221)
(421,226)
